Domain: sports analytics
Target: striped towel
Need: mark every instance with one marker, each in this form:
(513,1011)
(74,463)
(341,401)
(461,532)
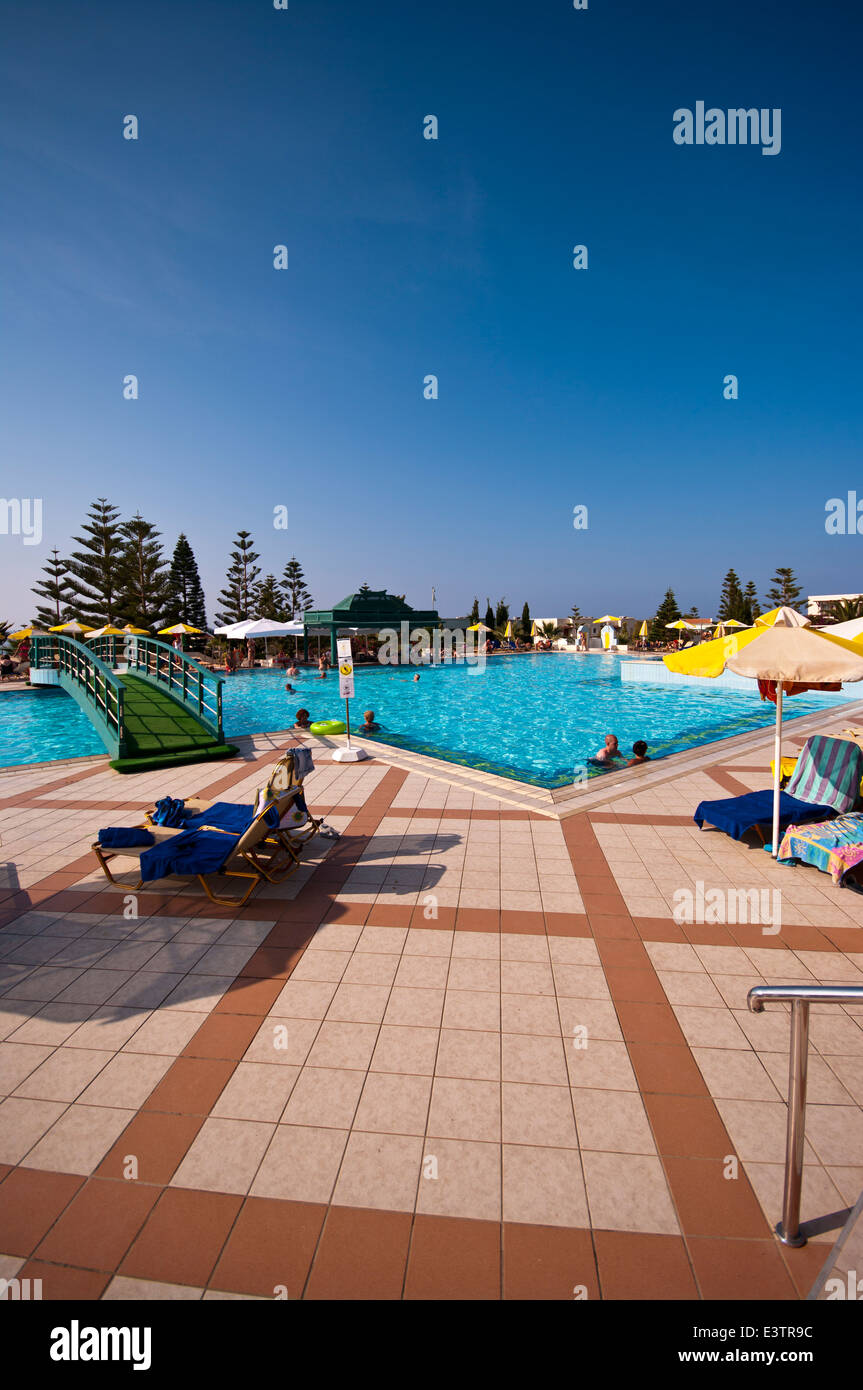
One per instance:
(828,773)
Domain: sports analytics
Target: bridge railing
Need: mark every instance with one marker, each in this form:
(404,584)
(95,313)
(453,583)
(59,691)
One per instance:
(93,680)
(196,687)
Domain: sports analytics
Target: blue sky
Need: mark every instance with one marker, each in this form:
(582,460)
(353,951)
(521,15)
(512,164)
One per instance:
(557,387)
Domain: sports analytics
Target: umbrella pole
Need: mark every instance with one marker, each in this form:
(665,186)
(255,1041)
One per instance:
(777,770)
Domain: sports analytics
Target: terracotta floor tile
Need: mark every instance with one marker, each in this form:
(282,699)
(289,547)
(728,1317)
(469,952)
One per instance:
(650,1023)
(547,1262)
(526,922)
(159,1142)
(272,1243)
(477,919)
(636,1266)
(451,1258)
(615,952)
(619,925)
(191,1086)
(99,1225)
(30,1203)
(687,1126)
(566,924)
(658,929)
(250,996)
(709,1204)
(65,1283)
(361,1255)
(272,962)
(739,1269)
(183,1237)
(637,985)
(222,1036)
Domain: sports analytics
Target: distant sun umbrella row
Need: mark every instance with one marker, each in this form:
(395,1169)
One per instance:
(76,629)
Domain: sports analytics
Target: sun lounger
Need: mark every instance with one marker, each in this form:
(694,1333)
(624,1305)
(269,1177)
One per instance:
(825,783)
(836,847)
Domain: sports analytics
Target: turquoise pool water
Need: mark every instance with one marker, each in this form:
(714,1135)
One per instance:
(535,718)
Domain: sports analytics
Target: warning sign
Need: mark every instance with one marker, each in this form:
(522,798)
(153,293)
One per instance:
(346,668)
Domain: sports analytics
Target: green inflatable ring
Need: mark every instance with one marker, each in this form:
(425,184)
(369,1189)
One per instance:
(328,726)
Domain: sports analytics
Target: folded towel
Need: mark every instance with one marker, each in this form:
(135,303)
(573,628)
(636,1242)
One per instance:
(229,815)
(168,811)
(193,852)
(303,764)
(124,837)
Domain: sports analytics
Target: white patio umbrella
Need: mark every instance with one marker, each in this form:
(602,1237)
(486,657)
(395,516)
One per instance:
(852,631)
(782,648)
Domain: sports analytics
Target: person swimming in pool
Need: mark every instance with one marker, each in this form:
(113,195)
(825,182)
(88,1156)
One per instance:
(610,751)
(369,726)
(290,689)
(303,720)
(640,750)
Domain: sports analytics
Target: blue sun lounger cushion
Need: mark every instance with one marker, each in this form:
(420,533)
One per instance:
(227,815)
(737,814)
(124,837)
(192,852)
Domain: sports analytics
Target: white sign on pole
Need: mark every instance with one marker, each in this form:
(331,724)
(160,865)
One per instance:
(346,668)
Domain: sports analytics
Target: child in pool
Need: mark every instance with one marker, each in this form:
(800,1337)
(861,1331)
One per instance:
(303,720)
(640,751)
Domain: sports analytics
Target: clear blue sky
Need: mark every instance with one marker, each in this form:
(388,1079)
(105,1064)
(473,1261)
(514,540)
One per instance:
(407,257)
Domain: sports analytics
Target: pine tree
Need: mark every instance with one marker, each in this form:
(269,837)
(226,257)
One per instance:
(501,614)
(667,612)
(96,571)
(144,579)
(751,607)
(55,589)
(526,620)
(474,612)
(731,601)
(184,599)
(239,596)
(270,602)
(786,591)
(296,595)
(576,615)
(489,613)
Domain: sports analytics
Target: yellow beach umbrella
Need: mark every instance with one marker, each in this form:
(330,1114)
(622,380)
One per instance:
(732,622)
(642,631)
(106,631)
(24,635)
(507,632)
(680,624)
(137,631)
(533,629)
(608,618)
(71,629)
(180,630)
(474,627)
(787,651)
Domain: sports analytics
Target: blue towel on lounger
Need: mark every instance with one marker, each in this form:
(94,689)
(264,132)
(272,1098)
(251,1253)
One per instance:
(229,815)
(192,852)
(124,837)
(737,814)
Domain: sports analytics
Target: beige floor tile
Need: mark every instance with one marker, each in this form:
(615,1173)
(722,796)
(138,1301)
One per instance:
(758,1129)
(380,1171)
(536,1060)
(709,1027)
(612,1121)
(690,989)
(529,1013)
(820,1194)
(63,1076)
(17,1061)
(464,1179)
(601,1065)
(371,968)
(78,1141)
(835,1132)
(387,940)
(581,982)
(474,974)
(673,955)
(422,972)
(468,1054)
(123,1289)
(405,1049)
(544,1187)
(344,1045)
(526,977)
(848,1180)
(834,1034)
(735,1075)
(539,1115)
(394,1104)
(848,1070)
(110,1028)
(472,1009)
(419,1008)
(429,941)
(573,950)
(224,1156)
(597,1016)
(522,946)
(304,999)
(335,936)
(198,994)
(325,1097)
(465,1109)
(628,1192)
(256,1092)
(22,1124)
(165,1033)
(126,1080)
(321,966)
(301,1164)
(283,1041)
(358,1004)
(477,945)
(96,986)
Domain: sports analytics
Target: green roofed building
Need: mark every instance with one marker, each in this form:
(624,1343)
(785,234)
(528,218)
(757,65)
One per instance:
(370,610)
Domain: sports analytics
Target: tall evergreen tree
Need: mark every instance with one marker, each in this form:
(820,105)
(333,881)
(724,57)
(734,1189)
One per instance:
(55,589)
(184,600)
(751,607)
(731,601)
(270,602)
(576,616)
(489,614)
(239,596)
(667,612)
(501,614)
(786,591)
(96,570)
(474,612)
(296,594)
(526,620)
(144,582)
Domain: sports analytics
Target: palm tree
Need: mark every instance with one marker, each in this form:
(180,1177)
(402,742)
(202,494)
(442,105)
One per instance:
(847,610)
(548,630)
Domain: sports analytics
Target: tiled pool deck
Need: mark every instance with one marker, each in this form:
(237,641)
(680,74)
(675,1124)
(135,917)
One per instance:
(465,1052)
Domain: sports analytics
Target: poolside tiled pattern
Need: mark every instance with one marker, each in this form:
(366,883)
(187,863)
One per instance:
(465,1052)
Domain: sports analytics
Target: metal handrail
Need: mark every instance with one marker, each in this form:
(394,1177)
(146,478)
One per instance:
(93,676)
(799,997)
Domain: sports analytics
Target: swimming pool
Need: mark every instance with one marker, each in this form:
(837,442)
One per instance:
(535,718)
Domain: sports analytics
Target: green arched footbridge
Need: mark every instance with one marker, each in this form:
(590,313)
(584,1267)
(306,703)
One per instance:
(152,706)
